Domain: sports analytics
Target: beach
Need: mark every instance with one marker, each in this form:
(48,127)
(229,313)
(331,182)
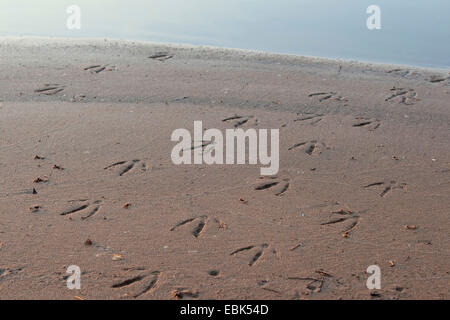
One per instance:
(88,179)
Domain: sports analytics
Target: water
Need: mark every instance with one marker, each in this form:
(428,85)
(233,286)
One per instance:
(414,32)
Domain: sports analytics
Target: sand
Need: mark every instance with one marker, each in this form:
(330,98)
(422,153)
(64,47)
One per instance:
(364,175)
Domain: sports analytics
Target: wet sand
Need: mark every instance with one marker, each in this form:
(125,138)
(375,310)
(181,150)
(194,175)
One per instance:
(87,177)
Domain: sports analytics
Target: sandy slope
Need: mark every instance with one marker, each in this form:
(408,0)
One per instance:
(355,169)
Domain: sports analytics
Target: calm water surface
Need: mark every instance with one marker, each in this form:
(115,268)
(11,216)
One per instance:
(414,32)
